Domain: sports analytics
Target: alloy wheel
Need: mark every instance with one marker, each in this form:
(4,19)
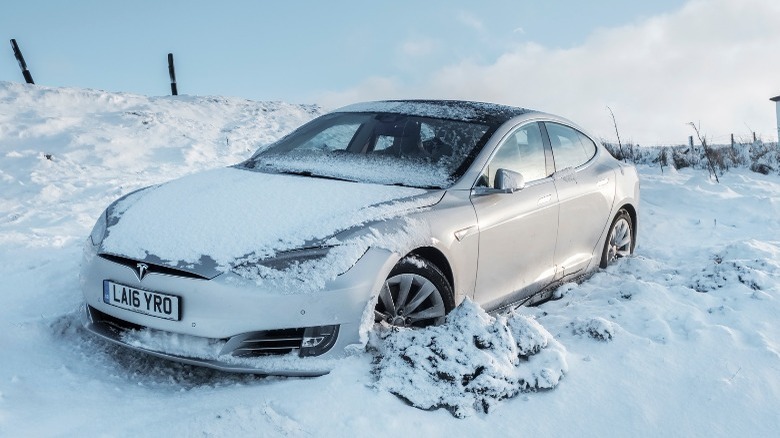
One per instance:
(410,300)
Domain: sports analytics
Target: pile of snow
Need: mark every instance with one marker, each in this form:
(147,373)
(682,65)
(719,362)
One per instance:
(62,144)
(686,357)
(753,263)
(597,328)
(469,363)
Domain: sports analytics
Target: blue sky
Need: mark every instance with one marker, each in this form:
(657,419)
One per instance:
(335,52)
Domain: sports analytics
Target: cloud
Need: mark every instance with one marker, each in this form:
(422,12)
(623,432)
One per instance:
(713,62)
(373,88)
(471,21)
(418,47)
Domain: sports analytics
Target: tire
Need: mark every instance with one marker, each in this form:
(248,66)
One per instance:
(415,294)
(620,239)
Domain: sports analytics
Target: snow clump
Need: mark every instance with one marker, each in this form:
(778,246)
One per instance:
(470,363)
(597,328)
(738,264)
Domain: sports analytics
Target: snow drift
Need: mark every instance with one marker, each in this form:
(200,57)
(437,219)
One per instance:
(681,340)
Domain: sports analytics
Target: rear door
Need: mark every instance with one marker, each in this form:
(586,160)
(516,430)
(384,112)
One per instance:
(586,191)
(517,230)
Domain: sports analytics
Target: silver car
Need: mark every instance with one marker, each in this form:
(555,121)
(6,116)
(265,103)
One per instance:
(387,212)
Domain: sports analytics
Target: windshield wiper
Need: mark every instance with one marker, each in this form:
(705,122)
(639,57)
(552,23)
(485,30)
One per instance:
(417,187)
(312,175)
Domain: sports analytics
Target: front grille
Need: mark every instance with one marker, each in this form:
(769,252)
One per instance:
(269,342)
(248,345)
(153,268)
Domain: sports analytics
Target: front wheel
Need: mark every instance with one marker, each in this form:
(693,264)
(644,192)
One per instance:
(415,294)
(620,240)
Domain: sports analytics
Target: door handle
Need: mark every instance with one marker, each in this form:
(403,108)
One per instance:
(544,199)
(602,182)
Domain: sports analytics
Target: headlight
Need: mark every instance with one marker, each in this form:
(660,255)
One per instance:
(99,230)
(287,259)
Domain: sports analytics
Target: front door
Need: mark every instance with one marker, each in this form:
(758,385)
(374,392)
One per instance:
(517,231)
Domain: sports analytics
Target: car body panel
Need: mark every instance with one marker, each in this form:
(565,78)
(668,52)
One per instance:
(515,235)
(454,233)
(586,196)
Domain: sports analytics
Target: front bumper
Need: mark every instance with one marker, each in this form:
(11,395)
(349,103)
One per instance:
(221,315)
(214,353)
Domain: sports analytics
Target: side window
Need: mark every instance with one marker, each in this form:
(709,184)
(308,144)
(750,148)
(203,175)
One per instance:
(522,151)
(383,143)
(571,148)
(588,145)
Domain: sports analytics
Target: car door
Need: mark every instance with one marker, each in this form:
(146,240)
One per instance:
(517,231)
(586,191)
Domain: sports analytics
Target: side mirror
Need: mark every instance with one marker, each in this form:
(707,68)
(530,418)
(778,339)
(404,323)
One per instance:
(508,181)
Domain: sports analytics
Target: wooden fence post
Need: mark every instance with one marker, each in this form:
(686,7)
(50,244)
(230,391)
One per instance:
(172,74)
(23,65)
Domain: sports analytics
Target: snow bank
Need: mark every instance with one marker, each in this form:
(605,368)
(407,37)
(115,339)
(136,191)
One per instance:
(60,145)
(470,363)
(758,156)
(680,362)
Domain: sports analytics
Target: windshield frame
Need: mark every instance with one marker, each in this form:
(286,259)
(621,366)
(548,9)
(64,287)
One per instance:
(462,159)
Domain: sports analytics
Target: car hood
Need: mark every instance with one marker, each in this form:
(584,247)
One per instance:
(203,222)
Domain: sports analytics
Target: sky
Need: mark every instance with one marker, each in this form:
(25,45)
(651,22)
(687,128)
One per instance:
(658,65)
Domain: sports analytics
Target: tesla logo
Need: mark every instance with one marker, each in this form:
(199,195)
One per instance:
(143,268)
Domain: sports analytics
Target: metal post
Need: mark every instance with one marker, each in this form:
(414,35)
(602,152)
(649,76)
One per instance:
(23,65)
(172,73)
(732,141)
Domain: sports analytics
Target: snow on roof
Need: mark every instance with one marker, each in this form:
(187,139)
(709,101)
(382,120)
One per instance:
(443,109)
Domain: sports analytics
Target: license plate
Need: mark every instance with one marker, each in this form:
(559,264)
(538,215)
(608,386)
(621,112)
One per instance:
(141,301)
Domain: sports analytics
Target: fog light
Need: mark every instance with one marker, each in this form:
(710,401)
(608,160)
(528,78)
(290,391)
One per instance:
(318,340)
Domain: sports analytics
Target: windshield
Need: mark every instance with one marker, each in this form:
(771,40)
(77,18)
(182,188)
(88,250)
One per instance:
(381,148)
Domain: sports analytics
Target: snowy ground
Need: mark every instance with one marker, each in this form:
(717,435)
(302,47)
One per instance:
(683,339)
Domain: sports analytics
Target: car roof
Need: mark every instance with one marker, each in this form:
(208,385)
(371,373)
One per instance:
(466,111)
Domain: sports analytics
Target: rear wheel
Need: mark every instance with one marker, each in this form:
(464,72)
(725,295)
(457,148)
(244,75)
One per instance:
(415,294)
(620,240)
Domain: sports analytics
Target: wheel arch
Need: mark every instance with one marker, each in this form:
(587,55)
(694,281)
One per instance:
(438,258)
(632,213)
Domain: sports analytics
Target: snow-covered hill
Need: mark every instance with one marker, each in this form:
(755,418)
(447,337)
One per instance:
(683,339)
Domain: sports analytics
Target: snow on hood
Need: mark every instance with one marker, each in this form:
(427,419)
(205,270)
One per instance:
(228,213)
